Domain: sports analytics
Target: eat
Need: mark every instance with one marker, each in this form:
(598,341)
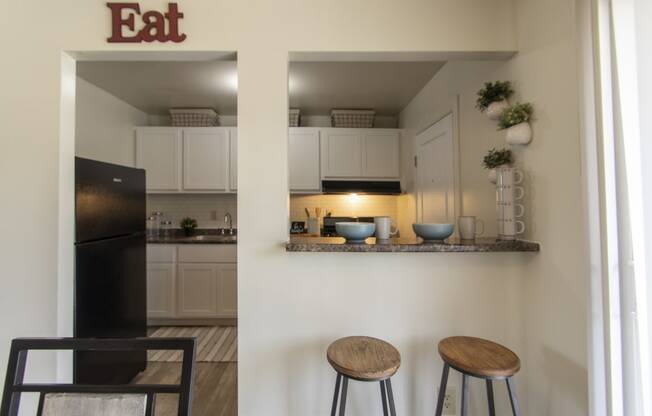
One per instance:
(154,29)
